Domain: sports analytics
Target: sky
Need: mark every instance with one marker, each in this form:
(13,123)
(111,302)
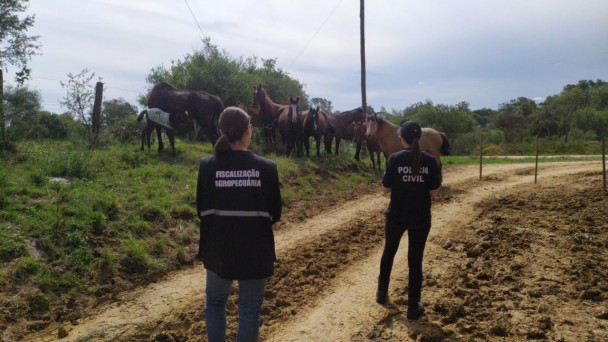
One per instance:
(484,52)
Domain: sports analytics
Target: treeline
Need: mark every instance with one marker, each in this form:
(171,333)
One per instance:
(570,120)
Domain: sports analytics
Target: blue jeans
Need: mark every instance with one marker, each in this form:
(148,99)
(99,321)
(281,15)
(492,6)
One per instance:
(251,296)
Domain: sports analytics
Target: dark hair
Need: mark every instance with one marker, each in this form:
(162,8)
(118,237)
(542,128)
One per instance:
(411,132)
(233,123)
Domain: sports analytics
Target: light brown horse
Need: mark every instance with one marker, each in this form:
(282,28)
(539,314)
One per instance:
(373,148)
(343,129)
(290,126)
(387,135)
(269,111)
(314,124)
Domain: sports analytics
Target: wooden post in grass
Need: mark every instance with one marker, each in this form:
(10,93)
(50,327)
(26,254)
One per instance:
(480,154)
(536,166)
(604,161)
(96,122)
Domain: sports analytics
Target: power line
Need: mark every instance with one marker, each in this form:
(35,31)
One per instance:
(315,34)
(194,17)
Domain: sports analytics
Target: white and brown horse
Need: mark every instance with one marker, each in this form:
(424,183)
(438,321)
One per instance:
(387,135)
(373,148)
(314,124)
(290,126)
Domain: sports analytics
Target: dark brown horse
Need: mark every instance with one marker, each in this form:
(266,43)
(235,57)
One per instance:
(269,111)
(268,128)
(343,129)
(314,124)
(184,106)
(290,126)
(387,134)
(373,148)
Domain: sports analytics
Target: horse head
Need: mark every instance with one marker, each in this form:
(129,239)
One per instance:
(372,122)
(294,108)
(314,114)
(360,130)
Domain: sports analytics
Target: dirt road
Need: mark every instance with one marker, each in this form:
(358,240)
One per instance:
(324,285)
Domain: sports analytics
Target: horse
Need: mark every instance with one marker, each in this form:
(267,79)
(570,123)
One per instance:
(373,148)
(290,126)
(269,111)
(314,123)
(387,135)
(268,128)
(184,106)
(343,129)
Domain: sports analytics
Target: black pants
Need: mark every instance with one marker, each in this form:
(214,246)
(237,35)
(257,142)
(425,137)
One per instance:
(417,236)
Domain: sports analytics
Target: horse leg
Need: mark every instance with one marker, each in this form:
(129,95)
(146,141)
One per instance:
(159,135)
(357,151)
(327,142)
(171,136)
(337,146)
(306,146)
(318,141)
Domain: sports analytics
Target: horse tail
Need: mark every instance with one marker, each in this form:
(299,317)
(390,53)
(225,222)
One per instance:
(141,115)
(446,148)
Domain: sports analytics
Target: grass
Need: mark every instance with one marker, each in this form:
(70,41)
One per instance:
(73,219)
(472,160)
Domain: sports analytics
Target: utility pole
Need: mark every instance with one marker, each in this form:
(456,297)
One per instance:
(363,89)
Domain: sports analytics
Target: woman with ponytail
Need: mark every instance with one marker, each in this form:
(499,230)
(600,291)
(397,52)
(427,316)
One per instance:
(412,178)
(238,200)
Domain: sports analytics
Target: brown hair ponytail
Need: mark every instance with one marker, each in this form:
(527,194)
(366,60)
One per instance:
(233,123)
(411,133)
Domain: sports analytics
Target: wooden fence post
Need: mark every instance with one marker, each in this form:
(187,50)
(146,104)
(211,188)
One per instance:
(480,154)
(536,166)
(604,161)
(97,109)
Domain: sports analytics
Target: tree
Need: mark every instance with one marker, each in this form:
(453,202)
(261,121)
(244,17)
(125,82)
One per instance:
(118,119)
(116,110)
(591,119)
(324,104)
(16,47)
(80,94)
(21,106)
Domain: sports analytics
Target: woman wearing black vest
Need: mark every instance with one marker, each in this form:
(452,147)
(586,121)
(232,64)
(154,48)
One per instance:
(412,178)
(238,200)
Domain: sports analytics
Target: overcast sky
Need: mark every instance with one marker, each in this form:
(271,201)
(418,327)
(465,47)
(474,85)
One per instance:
(485,52)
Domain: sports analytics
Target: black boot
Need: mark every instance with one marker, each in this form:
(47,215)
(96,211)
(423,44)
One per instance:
(415,310)
(382,292)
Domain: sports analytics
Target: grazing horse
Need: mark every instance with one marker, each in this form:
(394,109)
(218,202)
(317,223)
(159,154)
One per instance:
(373,148)
(269,111)
(290,126)
(342,122)
(314,123)
(184,106)
(387,134)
